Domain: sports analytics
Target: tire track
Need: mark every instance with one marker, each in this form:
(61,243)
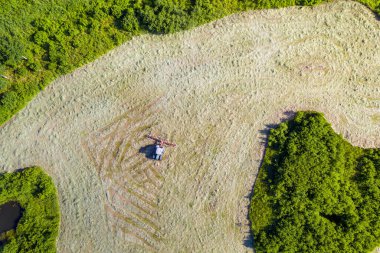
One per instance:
(130,181)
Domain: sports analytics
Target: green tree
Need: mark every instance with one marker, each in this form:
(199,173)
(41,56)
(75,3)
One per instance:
(315,192)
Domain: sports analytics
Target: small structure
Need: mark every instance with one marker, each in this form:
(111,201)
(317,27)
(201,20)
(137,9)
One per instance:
(160,146)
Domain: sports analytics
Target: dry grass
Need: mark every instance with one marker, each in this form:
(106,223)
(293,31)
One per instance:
(214,91)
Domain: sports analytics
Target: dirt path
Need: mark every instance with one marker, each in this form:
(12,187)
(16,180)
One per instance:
(214,91)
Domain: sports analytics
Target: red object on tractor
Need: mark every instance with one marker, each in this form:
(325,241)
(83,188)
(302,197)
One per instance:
(158,139)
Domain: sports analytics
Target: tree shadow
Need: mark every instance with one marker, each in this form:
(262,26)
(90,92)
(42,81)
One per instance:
(21,169)
(249,241)
(265,133)
(148,150)
(376,14)
(287,115)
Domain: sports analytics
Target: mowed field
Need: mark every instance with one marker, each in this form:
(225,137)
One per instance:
(215,91)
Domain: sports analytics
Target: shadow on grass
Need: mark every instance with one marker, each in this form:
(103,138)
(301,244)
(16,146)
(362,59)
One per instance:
(148,150)
(249,241)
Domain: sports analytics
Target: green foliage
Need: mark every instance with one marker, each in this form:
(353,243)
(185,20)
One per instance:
(129,22)
(41,40)
(372,4)
(10,50)
(308,2)
(3,85)
(38,227)
(165,16)
(315,192)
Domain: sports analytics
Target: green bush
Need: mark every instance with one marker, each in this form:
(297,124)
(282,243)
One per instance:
(315,192)
(21,71)
(37,229)
(164,17)
(4,84)
(10,50)
(129,22)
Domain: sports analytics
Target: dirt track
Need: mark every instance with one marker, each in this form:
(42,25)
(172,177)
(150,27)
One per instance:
(214,90)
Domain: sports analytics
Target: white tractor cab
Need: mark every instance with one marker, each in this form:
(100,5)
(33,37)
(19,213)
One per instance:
(160,146)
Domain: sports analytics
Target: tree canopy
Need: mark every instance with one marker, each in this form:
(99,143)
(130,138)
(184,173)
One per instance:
(37,229)
(315,192)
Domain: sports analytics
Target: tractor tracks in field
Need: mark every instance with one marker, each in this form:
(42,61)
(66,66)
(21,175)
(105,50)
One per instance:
(130,181)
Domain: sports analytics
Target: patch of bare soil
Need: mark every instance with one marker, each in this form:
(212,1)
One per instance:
(214,91)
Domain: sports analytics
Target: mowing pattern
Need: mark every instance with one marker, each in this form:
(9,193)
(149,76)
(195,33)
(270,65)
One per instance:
(131,182)
(223,86)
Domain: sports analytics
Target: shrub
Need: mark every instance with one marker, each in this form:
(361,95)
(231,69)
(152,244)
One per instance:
(308,2)
(37,229)
(10,51)
(129,22)
(34,66)
(315,192)
(164,18)
(21,71)
(4,84)
(41,38)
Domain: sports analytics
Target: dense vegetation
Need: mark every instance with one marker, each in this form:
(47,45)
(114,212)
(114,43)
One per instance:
(315,191)
(38,227)
(40,40)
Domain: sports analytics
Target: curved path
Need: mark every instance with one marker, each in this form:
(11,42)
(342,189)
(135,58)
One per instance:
(215,91)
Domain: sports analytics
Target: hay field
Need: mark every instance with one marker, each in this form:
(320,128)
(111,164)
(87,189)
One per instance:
(215,91)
